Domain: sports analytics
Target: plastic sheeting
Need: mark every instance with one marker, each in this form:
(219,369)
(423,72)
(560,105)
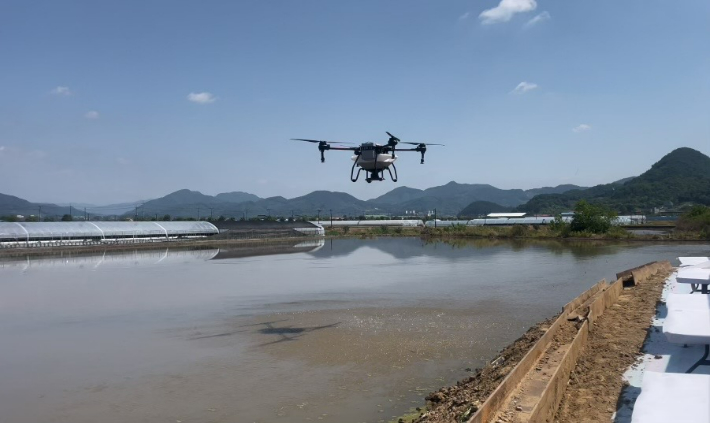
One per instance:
(673,397)
(497,222)
(21,231)
(326,223)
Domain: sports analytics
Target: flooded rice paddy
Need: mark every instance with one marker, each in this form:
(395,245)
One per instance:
(340,331)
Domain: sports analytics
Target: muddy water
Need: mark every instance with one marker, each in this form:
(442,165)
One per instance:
(347,331)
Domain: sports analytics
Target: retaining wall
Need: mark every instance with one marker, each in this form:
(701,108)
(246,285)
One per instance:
(588,306)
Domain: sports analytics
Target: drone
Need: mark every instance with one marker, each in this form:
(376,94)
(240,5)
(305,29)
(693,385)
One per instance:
(373,158)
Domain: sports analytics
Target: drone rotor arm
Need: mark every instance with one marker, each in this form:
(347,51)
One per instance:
(344,148)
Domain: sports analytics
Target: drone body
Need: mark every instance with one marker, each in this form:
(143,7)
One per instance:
(373,158)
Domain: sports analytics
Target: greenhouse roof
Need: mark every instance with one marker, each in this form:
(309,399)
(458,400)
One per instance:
(37,230)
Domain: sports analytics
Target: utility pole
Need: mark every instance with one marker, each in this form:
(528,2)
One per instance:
(70,214)
(435,218)
(198,213)
(39,219)
(319,216)
(85,217)
(268,212)
(136,218)
(211,208)
(331,218)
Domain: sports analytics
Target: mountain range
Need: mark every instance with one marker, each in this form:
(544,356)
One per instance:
(447,199)
(681,176)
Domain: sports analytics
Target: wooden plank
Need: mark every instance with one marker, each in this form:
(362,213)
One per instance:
(546,408)
(605,300)
(491,406)
(639,274)
(628,274)
(598,298)
(582,298)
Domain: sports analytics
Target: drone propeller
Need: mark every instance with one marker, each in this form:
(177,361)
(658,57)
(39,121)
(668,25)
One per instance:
(421,147)
(421,143)
(392,142)
(301,139)
(392,137)
(323,145)
(320,141)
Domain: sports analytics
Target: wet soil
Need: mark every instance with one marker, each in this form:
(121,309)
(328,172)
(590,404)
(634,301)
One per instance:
(614,344)
(456,403)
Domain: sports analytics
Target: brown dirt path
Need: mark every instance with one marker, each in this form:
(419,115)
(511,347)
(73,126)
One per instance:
(614,344)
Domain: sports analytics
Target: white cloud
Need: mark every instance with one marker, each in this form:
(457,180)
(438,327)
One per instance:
(61,91)
(524,87)
(537,19)
(505,11)
(91,114)
(201,98)
(583,127)
(464,16)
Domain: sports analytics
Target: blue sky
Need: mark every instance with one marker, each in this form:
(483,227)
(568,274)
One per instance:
(117,101)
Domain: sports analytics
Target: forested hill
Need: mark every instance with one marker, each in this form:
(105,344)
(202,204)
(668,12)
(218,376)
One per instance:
(682,176)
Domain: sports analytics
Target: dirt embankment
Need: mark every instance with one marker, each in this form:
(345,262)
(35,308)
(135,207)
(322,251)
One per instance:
(613,345)
(457,403)
(595,385)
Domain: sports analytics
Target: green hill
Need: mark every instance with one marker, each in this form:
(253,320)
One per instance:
(12,206)
(482,208)
(682,176)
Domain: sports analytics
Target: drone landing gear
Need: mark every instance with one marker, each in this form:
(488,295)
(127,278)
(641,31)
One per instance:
(393,178)
(352,171)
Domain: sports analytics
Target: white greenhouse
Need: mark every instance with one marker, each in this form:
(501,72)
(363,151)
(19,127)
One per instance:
(101,231)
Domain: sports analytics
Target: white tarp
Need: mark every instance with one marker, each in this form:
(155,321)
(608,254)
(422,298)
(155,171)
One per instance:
(693,261)
(673,397)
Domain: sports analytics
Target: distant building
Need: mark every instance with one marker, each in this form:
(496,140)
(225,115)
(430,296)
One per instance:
(505,215)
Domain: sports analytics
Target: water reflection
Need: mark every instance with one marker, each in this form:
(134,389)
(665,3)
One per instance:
(271,248)
(355,329)
(135,258)
(453,249)
(165,256)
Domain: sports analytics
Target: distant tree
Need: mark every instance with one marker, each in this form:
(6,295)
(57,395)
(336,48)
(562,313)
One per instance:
(166,218)
(592,218)
(32,219)
(67,218)
(9,218)
(696,219)
(221,218)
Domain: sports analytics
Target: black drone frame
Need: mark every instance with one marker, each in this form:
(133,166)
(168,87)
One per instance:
(376,174)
